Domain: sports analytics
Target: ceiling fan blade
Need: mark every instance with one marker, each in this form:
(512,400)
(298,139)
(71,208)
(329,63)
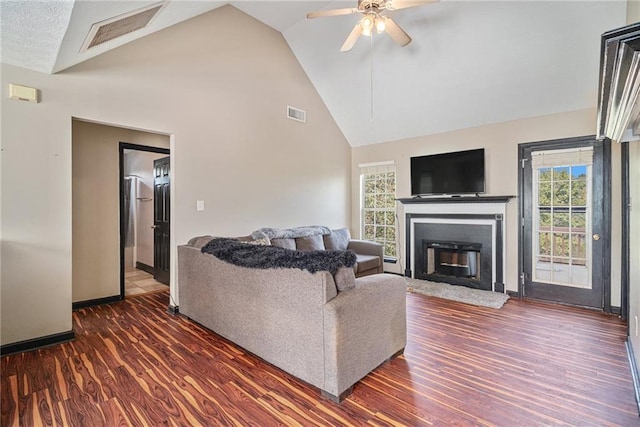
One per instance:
(404,4)
(352,38)
(332,12)
(396,33)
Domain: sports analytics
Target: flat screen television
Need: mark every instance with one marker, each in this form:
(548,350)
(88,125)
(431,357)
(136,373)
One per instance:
(460,172)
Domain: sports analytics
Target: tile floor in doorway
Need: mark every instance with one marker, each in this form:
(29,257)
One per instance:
(138,282)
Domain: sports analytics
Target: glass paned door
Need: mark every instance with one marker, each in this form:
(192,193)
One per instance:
(562,220)
(564,232)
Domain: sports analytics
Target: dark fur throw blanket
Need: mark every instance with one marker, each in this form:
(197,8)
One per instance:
(260,256)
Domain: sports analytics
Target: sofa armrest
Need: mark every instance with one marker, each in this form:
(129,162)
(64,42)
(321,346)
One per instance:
(366,247)
(199,241)
(363,327)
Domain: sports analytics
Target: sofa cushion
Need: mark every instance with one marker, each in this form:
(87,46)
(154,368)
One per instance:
(345,279)
(366,262)
(338,240)
(310,243)
(284,243)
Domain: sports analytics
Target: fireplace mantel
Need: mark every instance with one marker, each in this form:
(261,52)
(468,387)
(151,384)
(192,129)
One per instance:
(460,199)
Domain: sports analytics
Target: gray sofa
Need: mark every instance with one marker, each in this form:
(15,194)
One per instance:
(328,334)
(369,254)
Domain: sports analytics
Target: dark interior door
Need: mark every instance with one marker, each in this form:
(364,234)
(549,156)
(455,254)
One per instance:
(564,227)
(162,217)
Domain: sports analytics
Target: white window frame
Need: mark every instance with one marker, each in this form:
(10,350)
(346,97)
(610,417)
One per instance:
(561,158)
(374,168)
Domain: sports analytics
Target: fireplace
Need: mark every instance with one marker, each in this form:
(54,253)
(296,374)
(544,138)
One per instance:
(453,259)
(457,240)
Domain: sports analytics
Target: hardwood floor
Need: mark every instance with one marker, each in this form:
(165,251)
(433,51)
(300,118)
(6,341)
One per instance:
(527,364)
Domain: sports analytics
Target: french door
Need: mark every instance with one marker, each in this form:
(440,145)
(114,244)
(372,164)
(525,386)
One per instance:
(565,238)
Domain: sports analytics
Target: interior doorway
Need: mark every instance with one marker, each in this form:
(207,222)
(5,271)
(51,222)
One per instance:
(97,264)
(144,198)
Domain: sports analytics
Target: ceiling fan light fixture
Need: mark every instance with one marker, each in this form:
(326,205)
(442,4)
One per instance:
(367,23)
(372,12)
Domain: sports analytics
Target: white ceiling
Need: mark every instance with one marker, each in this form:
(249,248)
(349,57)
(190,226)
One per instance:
(471,63)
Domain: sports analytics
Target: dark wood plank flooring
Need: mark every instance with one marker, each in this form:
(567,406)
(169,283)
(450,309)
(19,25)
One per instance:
(527,364)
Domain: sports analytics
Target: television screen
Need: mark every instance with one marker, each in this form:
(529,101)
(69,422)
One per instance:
(461,172)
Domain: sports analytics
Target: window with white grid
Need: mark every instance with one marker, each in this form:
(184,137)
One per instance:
(378,194)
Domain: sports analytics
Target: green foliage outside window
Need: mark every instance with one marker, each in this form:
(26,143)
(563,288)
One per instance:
(379,210)
(562,214)
(562,185)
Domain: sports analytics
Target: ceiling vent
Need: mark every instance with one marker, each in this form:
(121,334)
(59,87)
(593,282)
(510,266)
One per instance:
(109,29)
(296,114)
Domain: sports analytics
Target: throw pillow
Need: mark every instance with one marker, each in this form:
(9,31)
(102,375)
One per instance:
(338,240)
(264,241)
(284,243)
(310,243)
(345,279)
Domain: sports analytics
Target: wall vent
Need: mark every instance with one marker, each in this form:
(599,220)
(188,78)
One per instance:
(296,114)
(112,28)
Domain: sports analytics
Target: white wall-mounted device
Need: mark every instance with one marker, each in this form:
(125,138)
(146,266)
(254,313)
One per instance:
(23,93)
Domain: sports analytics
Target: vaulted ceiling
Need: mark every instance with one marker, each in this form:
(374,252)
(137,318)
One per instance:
(470,63)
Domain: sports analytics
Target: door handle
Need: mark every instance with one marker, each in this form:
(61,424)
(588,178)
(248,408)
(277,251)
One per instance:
(596,236)
(157,226)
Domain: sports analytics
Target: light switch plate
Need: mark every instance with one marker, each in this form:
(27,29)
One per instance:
(199,205)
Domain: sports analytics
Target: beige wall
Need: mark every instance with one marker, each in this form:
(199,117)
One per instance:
(633,16)
(616,224)
(223,101)
(36,219)
(500,142)
(633,11)
(96,206)
(634,242)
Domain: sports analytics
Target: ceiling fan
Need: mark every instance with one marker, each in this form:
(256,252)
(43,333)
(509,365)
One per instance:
(373,18)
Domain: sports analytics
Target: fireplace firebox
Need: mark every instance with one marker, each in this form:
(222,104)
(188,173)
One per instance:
(455,253)
(454,259)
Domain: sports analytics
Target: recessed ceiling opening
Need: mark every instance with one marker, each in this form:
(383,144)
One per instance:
(109,29)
